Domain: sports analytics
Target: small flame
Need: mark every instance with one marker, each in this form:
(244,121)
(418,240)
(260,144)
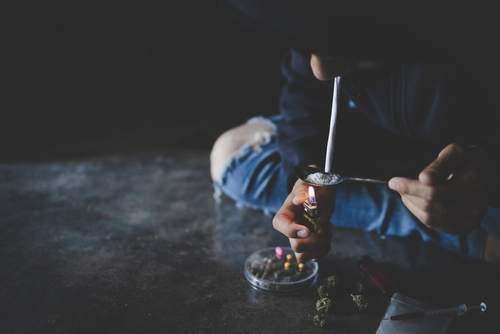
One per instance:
(312,196)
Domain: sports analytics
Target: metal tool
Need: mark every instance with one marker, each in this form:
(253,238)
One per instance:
(320,178)
(459,310)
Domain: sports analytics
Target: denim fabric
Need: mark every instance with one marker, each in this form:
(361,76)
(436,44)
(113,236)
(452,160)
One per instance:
(254,179)
(491,222)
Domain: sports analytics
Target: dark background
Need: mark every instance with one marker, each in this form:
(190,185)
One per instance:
(91,78)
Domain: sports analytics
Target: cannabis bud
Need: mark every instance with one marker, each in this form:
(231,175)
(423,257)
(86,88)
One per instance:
(323,304)
(331,281)
(322,291)
(361,301)
(319,320)
(360,287)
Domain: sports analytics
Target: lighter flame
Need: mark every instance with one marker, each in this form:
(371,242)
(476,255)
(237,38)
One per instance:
(312,196)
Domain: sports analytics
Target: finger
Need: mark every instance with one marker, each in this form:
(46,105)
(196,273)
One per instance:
(449,220)
(426,206)
(316,240)
(315,255)
(284,222)
(307,249)
(437,222)
(406,186)
(300,197)
(439,171)
(323,236)
(465,184)
(463,205)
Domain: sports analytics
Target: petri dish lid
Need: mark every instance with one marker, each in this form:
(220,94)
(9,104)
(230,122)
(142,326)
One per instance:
(266,271)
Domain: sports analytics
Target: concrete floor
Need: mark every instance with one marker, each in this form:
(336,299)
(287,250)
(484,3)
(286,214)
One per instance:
(138,245)
(108,224)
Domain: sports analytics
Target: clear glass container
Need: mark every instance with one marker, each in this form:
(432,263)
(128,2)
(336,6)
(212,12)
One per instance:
(275,270)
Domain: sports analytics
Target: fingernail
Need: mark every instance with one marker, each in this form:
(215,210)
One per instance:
(393,184)
(300,194)
(302,234)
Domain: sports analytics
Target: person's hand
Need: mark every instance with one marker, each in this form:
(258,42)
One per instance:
(306,244)
(450,194)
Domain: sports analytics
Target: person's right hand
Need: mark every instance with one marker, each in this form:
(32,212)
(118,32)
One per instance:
(451,193)
(306,244)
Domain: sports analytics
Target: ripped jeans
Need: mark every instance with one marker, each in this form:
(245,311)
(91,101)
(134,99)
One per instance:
(253,178)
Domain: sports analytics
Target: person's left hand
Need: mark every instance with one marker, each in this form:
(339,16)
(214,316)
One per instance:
(307,245)
(449,196)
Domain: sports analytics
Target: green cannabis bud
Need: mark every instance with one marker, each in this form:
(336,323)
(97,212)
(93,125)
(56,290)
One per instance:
(361,301)
(322,291)
(319,320)
(331,281)
(360,288)
(323,304)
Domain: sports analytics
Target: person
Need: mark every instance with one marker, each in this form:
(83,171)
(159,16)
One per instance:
(416,108)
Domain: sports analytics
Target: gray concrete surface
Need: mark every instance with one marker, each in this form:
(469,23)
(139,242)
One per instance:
(139,245)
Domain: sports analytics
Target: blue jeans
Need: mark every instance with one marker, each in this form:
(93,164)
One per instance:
(254,179)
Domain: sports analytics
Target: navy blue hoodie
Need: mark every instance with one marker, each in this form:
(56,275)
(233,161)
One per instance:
(416,107)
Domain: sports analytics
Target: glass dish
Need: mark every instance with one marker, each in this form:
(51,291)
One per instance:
(275,270)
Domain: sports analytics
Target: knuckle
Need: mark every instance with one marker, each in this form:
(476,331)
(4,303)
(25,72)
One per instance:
(404,188)
(277,221)
(427,206)
(431,194)
(297,247)
(456,147)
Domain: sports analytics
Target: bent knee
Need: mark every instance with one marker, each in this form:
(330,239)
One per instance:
(230,143)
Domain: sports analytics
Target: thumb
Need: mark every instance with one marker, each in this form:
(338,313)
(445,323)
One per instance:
(300,197)
(441,169)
